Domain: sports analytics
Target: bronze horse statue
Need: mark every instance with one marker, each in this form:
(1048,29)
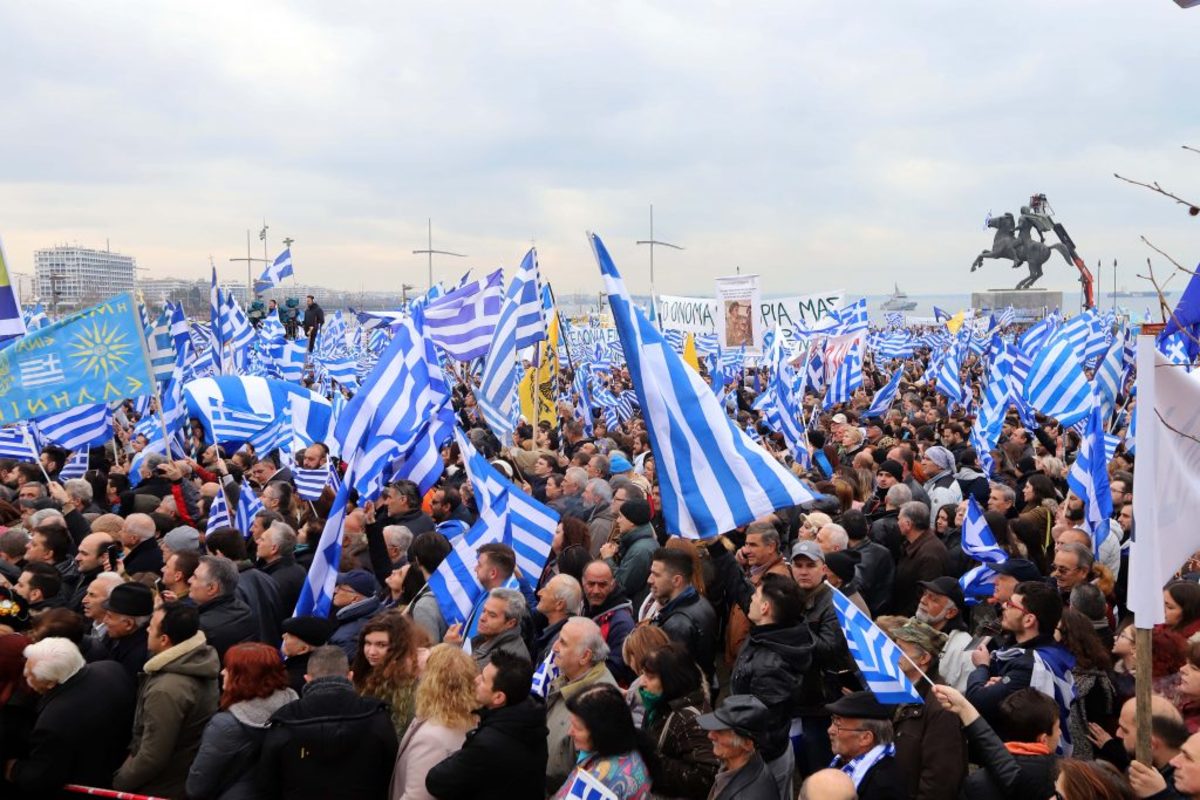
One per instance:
(1018,245)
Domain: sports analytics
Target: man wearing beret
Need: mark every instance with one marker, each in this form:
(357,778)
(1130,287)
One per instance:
(126,618)
(302,635)
(862,739)
(734,730)
(942,607)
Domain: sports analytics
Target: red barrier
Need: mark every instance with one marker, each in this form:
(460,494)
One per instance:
(115,795)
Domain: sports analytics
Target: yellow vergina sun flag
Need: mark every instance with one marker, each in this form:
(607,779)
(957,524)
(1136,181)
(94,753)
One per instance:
(538,390)
(689,352)
(956,322)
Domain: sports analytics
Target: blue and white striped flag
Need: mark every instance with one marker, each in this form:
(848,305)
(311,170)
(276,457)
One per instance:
(161,345)
(977,539)
(713,478)
(543,676)
(497,392)
(1052,677)
(882,401)
(978,584)
(877,656)
(16,441)
(847,379)
(464,321)
(949,378)
(75,467)
(291,364)
(894,319)
(1109,376)
(276,271)
(310,483)
(1088,479)
(585,786)
(1056,385)
(78,427)
(233,424)
(218,514)
(1006,318)
(247,508)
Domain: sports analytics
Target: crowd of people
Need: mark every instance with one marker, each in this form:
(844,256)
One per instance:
(141,650)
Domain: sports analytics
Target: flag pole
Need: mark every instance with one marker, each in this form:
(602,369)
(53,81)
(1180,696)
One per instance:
(1141,693)
(37,457)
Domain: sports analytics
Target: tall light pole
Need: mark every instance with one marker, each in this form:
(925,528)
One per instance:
(652,242)
(249,259)
(430,252)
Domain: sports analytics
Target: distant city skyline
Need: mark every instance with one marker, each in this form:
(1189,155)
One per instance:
(818,144)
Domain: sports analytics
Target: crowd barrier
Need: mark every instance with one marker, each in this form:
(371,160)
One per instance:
(92,791)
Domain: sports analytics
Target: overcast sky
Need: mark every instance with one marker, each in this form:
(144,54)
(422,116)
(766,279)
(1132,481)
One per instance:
(822,145)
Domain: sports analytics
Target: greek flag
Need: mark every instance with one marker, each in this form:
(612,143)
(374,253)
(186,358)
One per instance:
(291,365)
(949,378)
(990,420)
(1056,385)
(897,344)
(1088,479)
(1052,677)
(463,322)
(1109,376)
(1006,318)
(877,656)
(894,319)
(310,483)
(274,274)
(76,466)
(78,427)
(162,345)
(247,508)
(218,515)
(16,441)
(235,425)
(779,407)
(815,376)
(497,392)
(585,786)
(247,406)
(939,315)
(847,379)
(713,478)
(882,401)
(543,676)
(978,584)
(453,583)
(977,539)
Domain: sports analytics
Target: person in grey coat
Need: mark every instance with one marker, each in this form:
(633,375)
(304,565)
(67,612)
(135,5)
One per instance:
(631,556)
(733,729)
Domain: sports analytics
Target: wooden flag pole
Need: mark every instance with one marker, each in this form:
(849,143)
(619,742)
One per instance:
(1142,679)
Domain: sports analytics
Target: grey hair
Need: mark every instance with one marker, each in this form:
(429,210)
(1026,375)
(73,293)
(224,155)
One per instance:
(13,542)
(327,661)
(577,476)
(765,531)
(154,460)
(282,536)
(880,729)
(398,536)
(567,591)
(222,571)
(40,516)
(79,489)
(514,603)
(54,659)
(837,535)
(917,513)
(1088,599)
(592,639)
(1083,555)
(600,489)
(141,526)
(109,577)
(897,496)
(1005,491)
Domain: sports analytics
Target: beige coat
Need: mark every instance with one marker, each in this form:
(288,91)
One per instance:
(561,750)
(425,745)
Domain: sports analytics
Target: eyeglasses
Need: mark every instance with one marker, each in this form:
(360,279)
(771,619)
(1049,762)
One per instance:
(1011,604)
(837,726)
(1059,569)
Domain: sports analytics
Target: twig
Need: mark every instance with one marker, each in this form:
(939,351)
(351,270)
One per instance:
(1193,209)
(1178,266)
(1189,147)
(1164,307)
(1173,429)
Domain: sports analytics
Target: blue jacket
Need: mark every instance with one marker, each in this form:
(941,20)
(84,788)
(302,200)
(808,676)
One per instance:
(350,620)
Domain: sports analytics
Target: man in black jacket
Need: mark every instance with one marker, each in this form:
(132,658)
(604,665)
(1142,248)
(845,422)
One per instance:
(142,553)
(83,727)
(509,741)
(331,742)
(770,665)
(126,617)
(224,618)
(276,552)
(314,318)
(684,614)
(875,570)
(861,735)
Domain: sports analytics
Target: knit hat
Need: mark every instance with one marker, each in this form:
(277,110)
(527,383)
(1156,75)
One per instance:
(182,539)
(359,580)
(842,564)
(618,463)
(942,457)
(892,468)
(313,631)
(636,511)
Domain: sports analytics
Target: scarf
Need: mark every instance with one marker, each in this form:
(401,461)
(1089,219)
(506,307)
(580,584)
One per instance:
(1027,748)
(858,767)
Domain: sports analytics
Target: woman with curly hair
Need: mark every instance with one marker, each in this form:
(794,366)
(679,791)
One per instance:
(1095,694)
(445,705)
(256,686)
(386,665)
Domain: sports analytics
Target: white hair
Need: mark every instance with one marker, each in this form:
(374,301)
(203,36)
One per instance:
(111,578)
(398,536)
(566,590)
(79,489)
(592,639)
(837,535)
(40,516)
(54,659)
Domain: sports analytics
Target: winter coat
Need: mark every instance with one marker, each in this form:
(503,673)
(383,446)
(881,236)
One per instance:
(885,530)
(289,579)
(973,482)
(177,697)
(601,524)
(752,782)
(144,557)
(224,764)
(350,621)
(874,573)
(931,750)
(329,743)
(615,618)
(882,782)
(686,764)
(560,751)
(1004,776)
(227,621)
(260,593)
(80,735)
(510,642)
(631,567)
(832,668)
(424,611)
(128,651)
(737,625)
(625,776)
(690,619)
(1015,673)
(425,745)
(771,667)
(922,560)
(943,490)
(503,758)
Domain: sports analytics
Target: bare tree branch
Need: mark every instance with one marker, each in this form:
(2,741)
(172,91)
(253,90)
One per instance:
(1193,209)
(1189,147)
(1164,307)
(1178,266)
(1173,429)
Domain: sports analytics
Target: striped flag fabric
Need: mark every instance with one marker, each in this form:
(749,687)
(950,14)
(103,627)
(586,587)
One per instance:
(291,363)
(310,483)
(248,507)
(218,514)
(497,392)
(453,583)
(877,656)
(882,402)
(16,441)
(585,786)
(977,539)
(75,467)
(978,584)
(78,427)
(894,319)
(1088,479)
(1109,375)
(847,379)
(276,271)
(1006,318)
(778,404)
(12,324)
(949,378)
(235,425)
(712,477)
(463,322)
(1056,385)
(1052,677)
(162,345)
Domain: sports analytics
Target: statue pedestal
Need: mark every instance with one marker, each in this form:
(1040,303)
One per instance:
(1028,303)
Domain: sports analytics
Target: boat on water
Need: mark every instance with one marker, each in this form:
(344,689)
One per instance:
(1123,292)
(898,301)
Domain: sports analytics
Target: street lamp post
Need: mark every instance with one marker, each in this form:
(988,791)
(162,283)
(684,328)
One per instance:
(249,259)
(652,242)
(430,252)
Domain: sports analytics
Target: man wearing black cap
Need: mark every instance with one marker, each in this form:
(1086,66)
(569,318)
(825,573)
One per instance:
(302,635)
(355,602)
(126,617)
(942,607)
(734,729)
(631,555)
(861,735)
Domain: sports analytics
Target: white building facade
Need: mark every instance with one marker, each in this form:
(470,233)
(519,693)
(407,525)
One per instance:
(74,277)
